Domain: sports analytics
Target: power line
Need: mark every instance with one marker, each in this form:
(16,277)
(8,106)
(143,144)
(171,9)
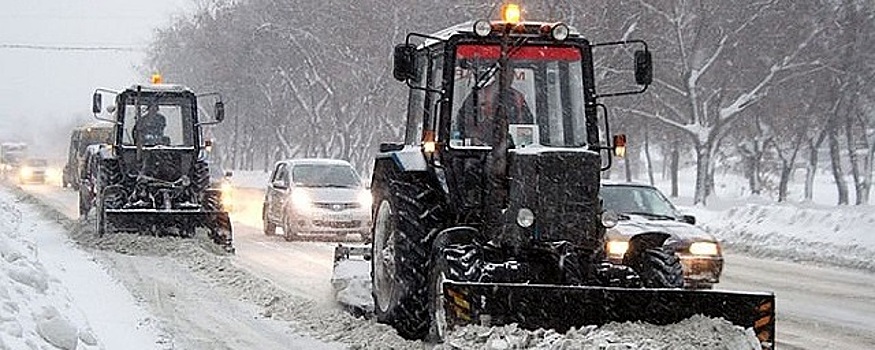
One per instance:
(69,48)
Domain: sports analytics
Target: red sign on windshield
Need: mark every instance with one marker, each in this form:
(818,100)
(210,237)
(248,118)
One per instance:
(537,53)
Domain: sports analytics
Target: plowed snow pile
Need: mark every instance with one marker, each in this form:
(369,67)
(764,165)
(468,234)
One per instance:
(697,332)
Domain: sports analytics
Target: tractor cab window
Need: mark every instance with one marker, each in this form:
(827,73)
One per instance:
(159,124)
(421,104)
(544,103)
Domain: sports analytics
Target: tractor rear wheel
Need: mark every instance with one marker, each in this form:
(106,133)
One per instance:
(408,211)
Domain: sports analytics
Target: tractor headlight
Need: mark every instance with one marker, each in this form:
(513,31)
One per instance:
(618,248)
(365,199)
(525,217)
(703,248)
(300,200)
(559,32)
(610,218)
(482,28)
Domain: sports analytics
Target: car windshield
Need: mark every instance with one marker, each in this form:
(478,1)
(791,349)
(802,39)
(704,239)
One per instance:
(637,200)
(37,162)
(325,175)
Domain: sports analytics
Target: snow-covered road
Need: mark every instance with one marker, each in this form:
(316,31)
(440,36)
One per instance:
(817,307)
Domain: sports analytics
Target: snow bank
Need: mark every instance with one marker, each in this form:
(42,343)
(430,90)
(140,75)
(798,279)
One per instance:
(36,311)
(837,236)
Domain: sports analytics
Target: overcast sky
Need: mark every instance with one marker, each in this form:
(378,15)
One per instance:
(42,88)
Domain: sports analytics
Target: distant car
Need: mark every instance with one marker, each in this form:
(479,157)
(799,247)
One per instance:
(644,208)
(316,197)
(33,170)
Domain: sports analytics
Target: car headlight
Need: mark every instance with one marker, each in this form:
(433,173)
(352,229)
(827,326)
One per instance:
(365,199)
(703,248)
(301,200)
(618,247)
(26,172)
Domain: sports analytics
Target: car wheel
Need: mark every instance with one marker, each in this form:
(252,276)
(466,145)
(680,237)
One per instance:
(269,227)
(289,233)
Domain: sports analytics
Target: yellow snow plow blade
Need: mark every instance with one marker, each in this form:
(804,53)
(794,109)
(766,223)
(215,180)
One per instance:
(534,306)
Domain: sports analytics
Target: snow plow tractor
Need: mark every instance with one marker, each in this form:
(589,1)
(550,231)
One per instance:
(489,212)
(153,178)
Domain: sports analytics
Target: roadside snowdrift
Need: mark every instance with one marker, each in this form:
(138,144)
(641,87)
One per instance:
(837,236)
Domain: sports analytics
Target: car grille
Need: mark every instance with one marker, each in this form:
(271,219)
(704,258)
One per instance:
(337,206)
(337,224)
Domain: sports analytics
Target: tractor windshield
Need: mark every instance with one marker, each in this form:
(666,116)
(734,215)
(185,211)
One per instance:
(545,103)
(160,122)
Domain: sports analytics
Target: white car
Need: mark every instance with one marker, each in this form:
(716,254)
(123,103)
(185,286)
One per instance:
(316,197)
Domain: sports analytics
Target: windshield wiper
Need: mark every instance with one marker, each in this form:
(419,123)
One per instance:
(651,215)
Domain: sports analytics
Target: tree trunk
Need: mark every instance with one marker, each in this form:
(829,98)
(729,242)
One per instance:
(703,160)
(647,155)
(674,159)
(627,164)
(786,170)
(811,170)
(837,172)
(853,158)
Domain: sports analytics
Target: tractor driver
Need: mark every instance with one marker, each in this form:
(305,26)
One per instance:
(151,125)
(476,124)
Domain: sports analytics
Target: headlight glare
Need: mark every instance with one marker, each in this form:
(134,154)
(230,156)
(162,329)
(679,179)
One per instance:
(703,248)
(618,247)
(300,200)
(365,199)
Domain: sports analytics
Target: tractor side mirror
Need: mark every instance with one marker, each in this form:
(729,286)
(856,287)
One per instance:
(220,111)
(643,67)
(96,103)
(405,59)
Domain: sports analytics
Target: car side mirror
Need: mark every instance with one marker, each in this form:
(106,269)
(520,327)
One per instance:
(688,219)
(643,67)
(96,103)
(279,184)
(229,174)
(220,111)
(404,62)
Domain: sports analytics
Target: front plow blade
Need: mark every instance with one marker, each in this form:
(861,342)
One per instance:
(534,306)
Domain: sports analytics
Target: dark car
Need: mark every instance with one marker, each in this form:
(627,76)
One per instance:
(316,197)
(643,208)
